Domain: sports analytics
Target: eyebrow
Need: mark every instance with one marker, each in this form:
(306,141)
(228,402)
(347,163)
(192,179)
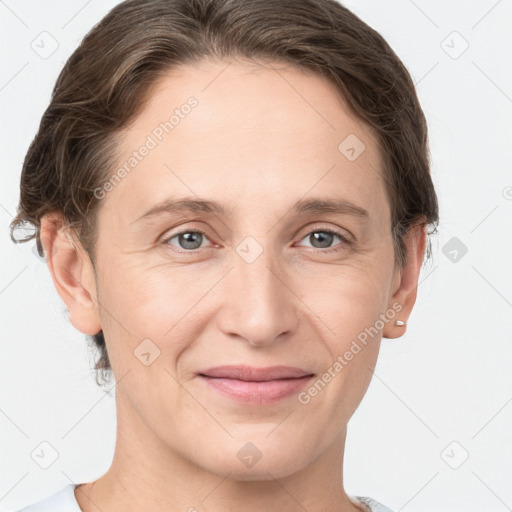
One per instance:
(314,205)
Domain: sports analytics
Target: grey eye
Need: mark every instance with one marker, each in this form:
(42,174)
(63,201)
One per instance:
(323,238)
(189,240)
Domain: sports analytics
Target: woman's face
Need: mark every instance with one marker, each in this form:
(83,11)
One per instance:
(264,274)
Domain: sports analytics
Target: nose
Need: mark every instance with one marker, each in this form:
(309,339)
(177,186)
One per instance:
(259,304)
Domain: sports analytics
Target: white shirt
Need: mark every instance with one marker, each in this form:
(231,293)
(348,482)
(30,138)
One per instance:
(64,501)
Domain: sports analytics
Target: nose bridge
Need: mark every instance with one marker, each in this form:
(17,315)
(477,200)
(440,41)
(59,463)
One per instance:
(259,305)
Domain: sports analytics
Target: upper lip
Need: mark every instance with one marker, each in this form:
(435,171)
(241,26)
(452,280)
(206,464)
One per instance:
(251,373)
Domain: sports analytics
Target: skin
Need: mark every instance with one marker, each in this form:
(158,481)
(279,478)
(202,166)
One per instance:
(262,137)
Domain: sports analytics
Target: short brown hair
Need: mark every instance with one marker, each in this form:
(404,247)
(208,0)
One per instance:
(107,79)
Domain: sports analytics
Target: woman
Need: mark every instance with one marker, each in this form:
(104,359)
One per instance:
(233,199)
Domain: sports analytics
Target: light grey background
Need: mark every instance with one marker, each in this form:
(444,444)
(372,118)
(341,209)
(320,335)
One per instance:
(440,393)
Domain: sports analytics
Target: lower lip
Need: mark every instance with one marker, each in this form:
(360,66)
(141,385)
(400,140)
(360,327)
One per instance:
(258,393)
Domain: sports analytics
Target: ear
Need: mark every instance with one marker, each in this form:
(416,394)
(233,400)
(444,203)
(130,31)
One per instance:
(405,283)
(72,272)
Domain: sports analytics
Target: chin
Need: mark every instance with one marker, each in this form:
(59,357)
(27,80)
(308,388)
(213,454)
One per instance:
(258,461)
(258,473)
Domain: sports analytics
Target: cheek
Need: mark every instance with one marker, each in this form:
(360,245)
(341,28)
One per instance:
(148,300)
(347,308)
(350,308)
(170,305)
(162,304)
(347,299)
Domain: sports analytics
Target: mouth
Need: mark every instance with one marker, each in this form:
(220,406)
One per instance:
(255,386)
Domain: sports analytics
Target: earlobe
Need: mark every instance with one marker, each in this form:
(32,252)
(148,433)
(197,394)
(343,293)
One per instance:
(72,273)
(406,291)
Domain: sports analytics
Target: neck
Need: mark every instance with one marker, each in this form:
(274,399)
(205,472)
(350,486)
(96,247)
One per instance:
(146,474)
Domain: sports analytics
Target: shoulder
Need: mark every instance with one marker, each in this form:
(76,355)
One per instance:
(373,506)
(62,500)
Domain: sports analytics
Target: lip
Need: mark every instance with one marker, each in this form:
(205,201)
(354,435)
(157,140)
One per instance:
(254,374)
(255,386)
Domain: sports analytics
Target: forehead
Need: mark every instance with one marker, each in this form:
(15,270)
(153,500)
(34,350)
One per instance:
(245,132)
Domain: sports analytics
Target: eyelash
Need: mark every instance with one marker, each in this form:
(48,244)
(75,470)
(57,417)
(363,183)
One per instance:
(344,239)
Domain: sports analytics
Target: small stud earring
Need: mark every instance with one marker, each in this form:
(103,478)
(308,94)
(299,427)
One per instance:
(399,322)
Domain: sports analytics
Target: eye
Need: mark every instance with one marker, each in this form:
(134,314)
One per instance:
(322,239)
(188,240)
